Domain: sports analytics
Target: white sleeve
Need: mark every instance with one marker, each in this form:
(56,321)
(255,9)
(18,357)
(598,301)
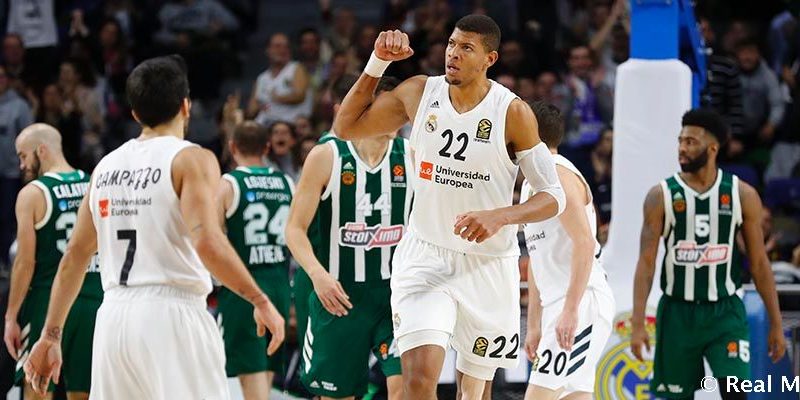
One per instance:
(539,169)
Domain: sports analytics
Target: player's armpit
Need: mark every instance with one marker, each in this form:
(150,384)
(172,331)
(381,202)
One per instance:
(360,116)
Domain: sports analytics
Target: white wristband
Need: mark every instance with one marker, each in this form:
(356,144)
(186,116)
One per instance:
(375,66)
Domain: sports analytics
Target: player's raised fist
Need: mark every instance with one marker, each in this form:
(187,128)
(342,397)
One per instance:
(392,46)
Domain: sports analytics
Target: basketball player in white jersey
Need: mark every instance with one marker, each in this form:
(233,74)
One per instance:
(570,306)
(151,215)
(455,278)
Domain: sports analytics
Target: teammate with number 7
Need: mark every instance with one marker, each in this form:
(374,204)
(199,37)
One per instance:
(150,214)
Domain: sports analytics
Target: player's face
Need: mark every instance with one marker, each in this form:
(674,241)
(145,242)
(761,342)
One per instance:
(466,58)
(693,149)
(29,163)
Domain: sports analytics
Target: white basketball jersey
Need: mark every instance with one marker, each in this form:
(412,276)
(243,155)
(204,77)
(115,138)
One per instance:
(462,165)
(141,237)
(550,247)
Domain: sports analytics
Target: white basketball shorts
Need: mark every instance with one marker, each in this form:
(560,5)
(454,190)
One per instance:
(472,298)
(574,370)
(156,342)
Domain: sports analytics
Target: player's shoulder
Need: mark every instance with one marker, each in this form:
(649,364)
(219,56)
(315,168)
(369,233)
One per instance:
(194,158)
(32,191)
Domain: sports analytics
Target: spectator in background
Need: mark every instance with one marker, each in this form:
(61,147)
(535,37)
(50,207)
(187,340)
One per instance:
(281,149)
(600,177)
(282,92)
(549,89)
(314,54)
(611,41)
(303,148)
(513,61)
(723,90)
(432,64)
(14,116)
(763,103)
(19,77)
(34,21)
(303,127)
(50,108)
(593,100)
(508,81)
(341,31)
(526,90)
(180,18)
(76,83)
(738,31)
(323,109)
(363,46)
(114,61)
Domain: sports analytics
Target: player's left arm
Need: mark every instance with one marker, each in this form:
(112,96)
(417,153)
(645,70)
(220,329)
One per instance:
(71,271)
(537,165)
(760,267)
(576,224)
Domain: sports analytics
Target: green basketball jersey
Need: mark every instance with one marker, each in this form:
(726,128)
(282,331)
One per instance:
(363,213)
(701,262)
(63,194)
(257,217)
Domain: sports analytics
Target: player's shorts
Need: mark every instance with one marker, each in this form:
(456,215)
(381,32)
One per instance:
(472,298)
(245,351)
(76,343)
(688,331)
(574,370)
(157,342)
(301,289)
(336,349)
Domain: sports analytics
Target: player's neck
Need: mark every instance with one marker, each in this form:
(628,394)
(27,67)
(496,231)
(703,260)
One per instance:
(701,180)
(172,128)
(59,166)
(466,97)
(372,150)
(249,161)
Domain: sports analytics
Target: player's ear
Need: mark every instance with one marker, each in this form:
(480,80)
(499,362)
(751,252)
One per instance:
(491,58)
(186,107)
(135,117)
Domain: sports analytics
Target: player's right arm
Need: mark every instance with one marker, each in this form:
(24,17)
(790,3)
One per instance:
(195,174)
(316,171)
(30,207)
(361,114)
(652,227)
(224,200)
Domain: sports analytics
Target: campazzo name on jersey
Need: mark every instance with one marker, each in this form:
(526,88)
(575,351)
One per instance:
(136,178)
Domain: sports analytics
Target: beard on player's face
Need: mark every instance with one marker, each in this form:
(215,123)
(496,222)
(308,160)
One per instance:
(32,170)
(694,164)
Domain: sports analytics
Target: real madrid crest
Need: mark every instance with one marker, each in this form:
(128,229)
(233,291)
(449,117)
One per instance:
(430,124)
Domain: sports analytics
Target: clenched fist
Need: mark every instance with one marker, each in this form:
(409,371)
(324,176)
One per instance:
(392,46)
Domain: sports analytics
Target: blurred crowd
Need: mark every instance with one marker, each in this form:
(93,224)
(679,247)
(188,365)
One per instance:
(65,63)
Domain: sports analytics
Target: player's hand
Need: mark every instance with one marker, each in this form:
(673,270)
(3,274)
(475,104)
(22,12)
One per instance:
(267,317)
(565,329)
(639,338)
(43,364)
(477,226)
(11,337)
(532,339)
(392,46)
(776,343)
(331,294)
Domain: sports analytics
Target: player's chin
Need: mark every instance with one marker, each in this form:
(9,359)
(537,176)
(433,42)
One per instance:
(452,80)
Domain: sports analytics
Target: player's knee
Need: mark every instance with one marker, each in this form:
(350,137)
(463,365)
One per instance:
(419,386)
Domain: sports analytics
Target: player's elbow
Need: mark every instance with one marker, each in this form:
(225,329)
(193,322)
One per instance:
(343,128)
(556,200)
(292,235)
(207,246)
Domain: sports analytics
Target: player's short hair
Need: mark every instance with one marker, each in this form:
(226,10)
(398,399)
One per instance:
(709,120)
(251,138)
(342,86)
(387,83)
(551,125)
(156,89)
(484,26)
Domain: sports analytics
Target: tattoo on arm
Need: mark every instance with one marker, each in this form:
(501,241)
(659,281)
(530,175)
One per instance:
(54,333)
